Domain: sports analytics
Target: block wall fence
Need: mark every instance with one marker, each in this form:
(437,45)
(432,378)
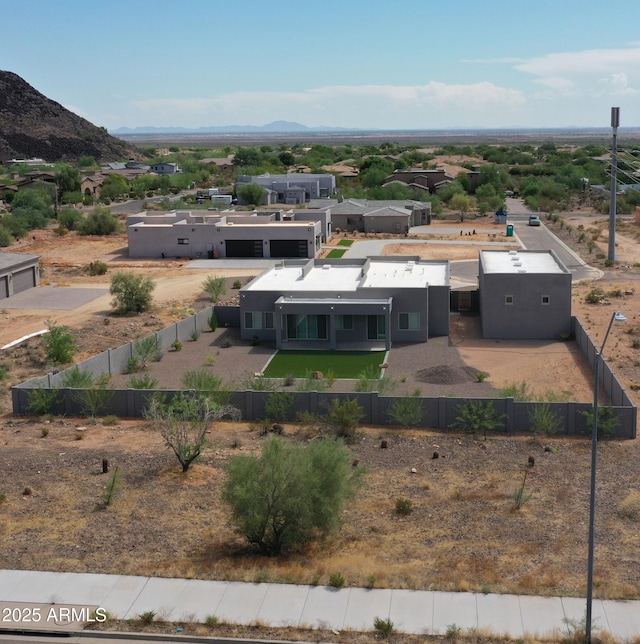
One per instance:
(438,412)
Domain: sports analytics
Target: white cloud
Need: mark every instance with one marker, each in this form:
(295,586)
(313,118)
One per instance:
(375,106)
(592,72)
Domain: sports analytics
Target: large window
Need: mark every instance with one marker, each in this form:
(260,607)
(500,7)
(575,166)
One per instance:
(268,320)
(344,322)
(253,320)
(376,327)
(307,327)
(409,321)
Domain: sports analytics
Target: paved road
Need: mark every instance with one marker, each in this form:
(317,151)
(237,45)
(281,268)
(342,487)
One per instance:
(312,606)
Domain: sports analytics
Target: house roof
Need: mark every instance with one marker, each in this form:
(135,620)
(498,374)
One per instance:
(515,262)
(9,260)
(346,277)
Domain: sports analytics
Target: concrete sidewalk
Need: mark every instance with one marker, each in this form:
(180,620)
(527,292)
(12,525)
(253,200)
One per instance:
(284,605)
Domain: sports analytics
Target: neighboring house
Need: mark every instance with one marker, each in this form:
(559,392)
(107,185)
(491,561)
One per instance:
(165,168)
(223,163)
(524,295)
(182,233)
(369,216)
(90,186)
(342,170)
(18,272)
(426,180)
(347,304)
(293,188)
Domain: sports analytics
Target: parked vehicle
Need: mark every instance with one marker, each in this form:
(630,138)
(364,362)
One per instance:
(534,220)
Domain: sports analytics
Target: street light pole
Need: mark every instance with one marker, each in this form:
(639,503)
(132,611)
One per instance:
(616,317)
(615,122)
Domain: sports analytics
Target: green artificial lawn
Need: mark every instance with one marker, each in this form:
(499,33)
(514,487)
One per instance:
(345,242)
(342,364)
(336,253)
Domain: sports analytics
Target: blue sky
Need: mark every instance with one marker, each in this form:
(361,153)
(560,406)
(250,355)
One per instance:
(415,64)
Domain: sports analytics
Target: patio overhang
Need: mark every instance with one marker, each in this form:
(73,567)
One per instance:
(334,306)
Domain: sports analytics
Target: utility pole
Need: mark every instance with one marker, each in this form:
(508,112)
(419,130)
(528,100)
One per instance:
(615,122)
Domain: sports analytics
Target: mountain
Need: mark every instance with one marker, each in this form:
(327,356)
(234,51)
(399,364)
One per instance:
(31,125)
(275,127)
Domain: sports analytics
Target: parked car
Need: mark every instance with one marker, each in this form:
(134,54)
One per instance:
(534,220)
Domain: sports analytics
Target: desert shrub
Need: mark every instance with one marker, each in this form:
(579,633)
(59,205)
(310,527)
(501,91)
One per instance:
(97,268)
(342,417)
(407,411)
(290,494)
(383,627)
(43,401)
(70,218)
(278,405)
(477,416)
(131,293)
(237,284)
(404,506)
(59,344)
(176,345)
(144,381)
(184,422)
(607,421)
(336,580)
(629,507)
(195,334)
(517,391)
(94,399)
(594,296)
(76,379)
(369,380)
(111,420)
(147,617)
(215,286)
(99,222)
(145,349)
(544,420)
(213,322)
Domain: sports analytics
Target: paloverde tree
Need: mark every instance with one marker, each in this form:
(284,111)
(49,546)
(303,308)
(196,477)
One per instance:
(290,494)
(184,422)
(251,193)
(131,293)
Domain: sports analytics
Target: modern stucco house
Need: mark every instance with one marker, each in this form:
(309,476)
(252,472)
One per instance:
(373,216)
(18,272)
(293,188)
(524,295)
(351,304)
(268,234)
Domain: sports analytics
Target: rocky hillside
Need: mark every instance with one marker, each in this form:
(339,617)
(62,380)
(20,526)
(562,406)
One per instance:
(31,125)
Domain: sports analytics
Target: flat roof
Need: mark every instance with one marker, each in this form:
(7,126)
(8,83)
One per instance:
(517,261)
(351,277)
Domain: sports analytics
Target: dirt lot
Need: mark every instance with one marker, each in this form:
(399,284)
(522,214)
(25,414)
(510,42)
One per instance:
(463,533)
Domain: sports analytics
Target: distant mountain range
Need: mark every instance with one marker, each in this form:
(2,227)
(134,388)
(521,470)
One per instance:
(276,126)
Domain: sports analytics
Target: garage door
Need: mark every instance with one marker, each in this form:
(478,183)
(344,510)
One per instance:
(288,248)
(23,280)
(4,292)
(244,248)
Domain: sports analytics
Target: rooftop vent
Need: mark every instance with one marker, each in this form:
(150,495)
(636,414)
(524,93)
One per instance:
(326,267)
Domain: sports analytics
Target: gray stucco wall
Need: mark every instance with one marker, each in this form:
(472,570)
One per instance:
(201,239)
(527,317)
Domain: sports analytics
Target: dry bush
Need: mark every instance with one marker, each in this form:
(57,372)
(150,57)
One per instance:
(629,507)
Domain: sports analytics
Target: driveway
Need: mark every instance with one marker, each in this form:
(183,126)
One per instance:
(53,298)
